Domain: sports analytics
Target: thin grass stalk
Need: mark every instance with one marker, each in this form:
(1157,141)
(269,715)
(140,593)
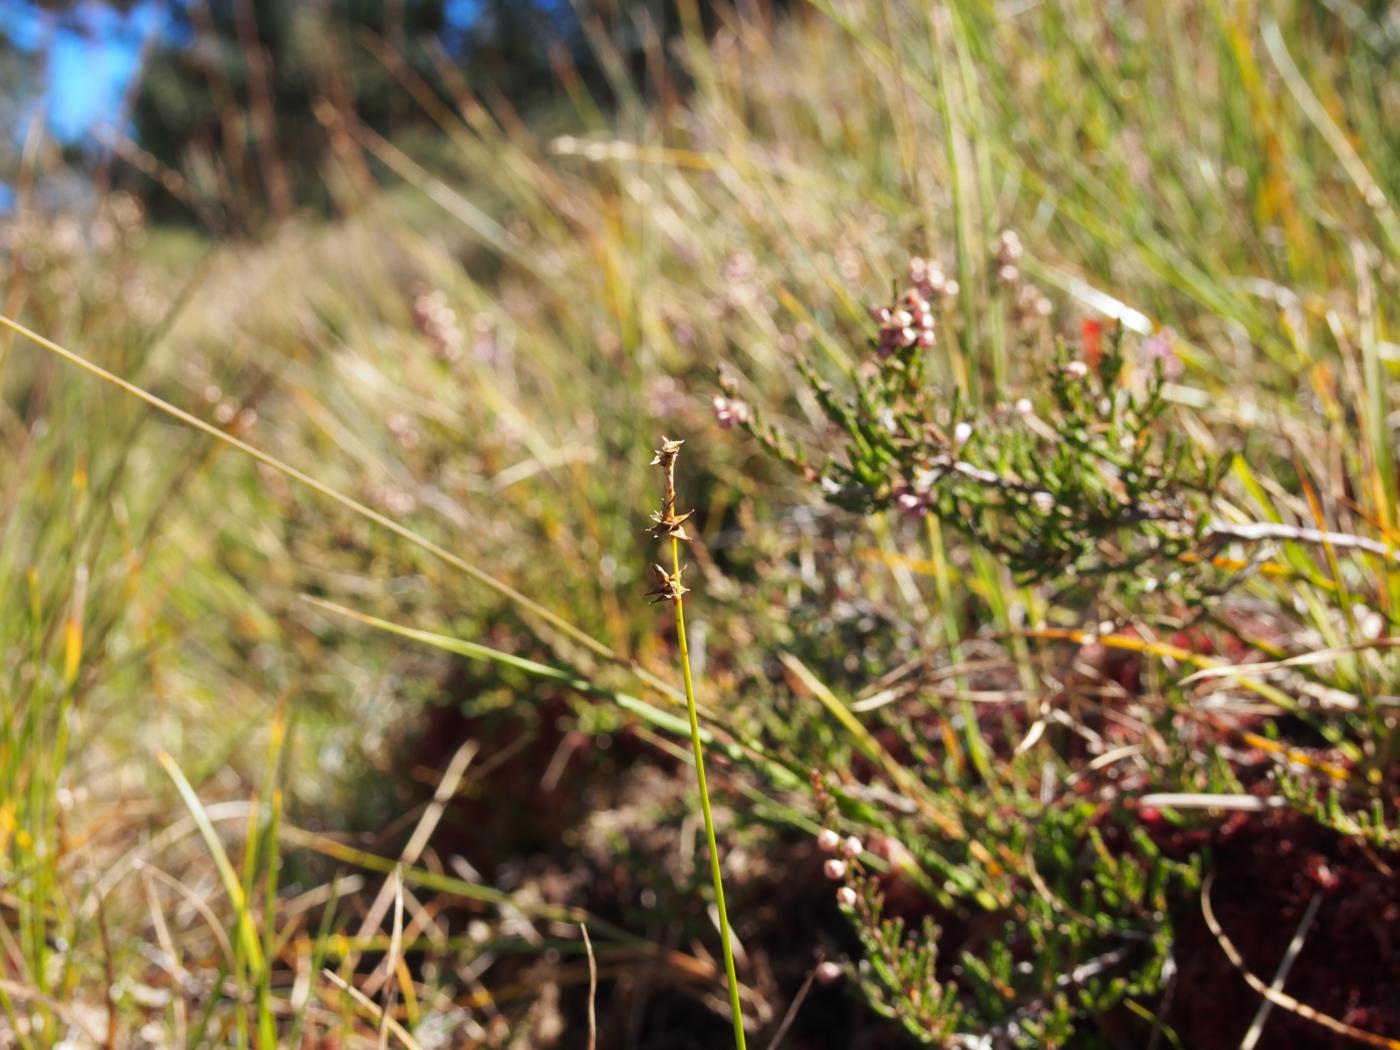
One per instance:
(679,605)
(669,524)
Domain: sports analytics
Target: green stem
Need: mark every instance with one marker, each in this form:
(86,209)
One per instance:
(734,1008)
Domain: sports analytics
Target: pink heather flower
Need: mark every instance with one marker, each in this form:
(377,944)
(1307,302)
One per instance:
(846,897)
(834,869)
(1076,370)
(926,277)
(909,324)
(437,322)
(828,972)
(730,410)
(912,504)
(852,848)
(828,840)
(961,433)
(1158,347)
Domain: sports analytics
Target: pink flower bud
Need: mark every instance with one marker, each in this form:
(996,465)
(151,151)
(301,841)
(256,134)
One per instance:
(828,972)
(730,410)
(911,504)
(846,897)
(828,840)
(852,848)
(834,869)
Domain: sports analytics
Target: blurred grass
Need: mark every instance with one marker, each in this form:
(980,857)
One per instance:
(1218,171)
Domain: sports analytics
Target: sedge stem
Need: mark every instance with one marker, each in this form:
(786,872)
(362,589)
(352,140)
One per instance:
(734,1008)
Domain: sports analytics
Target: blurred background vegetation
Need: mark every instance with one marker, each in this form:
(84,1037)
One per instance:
(452,269)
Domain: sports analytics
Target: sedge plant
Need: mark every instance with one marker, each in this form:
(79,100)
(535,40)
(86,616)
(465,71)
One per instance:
(670,525)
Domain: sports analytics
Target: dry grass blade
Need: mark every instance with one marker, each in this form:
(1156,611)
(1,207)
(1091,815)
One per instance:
(392,960)
(390,893)
(232,811)
(1256,1028)
(372,1010)
(1321,656)
(1196,800)
(592,988)
(1275,996)
(195,901)
(791,1015)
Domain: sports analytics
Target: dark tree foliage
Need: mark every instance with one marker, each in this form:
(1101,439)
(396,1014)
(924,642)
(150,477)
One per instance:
(236,95)
(229,96)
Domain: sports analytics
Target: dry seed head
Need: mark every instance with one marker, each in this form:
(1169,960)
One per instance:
(667,527)
(668,587)
(668,522)
(667,453)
